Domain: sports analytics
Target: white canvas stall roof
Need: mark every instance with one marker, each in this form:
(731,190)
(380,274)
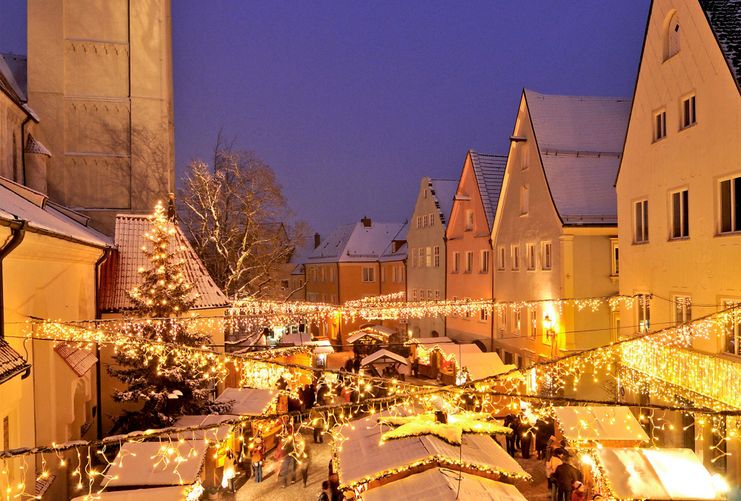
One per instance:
(442,484)
(381,354)
(483,365)
(455,350)
(213,434)
(137,464)
(374,331)
(656,474)
(159,493)
(599,423)
(430,340)
(362,456)
(304,339)
(248,401)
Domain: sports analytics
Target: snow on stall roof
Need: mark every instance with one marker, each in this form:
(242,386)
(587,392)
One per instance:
(213,434)
(381,354)
(656,474)
(362,456)
(443,190)
(121,271)
(248,401)
(483,365)
(355,242)
(599,423)
(133,466)
(177,493)
(489,172)
(430,340)
(442,484)
(377,331)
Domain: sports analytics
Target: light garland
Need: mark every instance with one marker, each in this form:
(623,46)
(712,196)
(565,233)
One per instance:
(373,300)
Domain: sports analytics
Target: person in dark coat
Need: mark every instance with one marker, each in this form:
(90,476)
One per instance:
(565,476)
(526,437)
(356,364)
(509,421)
(541,437)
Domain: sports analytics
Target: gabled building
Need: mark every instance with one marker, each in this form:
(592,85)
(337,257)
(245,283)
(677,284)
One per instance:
(346,266)
(555,229)
(469,250)
(679,201)
(426,241)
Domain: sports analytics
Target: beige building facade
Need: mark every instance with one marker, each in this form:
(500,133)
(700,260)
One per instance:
(426,241)
(100,76)
(555,227)
(679,190)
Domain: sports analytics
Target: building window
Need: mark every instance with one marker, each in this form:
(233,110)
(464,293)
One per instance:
(485,256)
(501,257)
(502,321)
(515,257)
(524,157)
(546,258)
(425,193)
(419,222)
(680,214)
(615,257)
(429,294)
(730,205)
(436,256)
(401,274)
(517,324)
(530,256)
(369,274)
(644,312)
(524,199)
(469,261)
(432,219)
(484,314)
(383,274)
(313,274)
(428,257)
(689,112)
(682,309)
(533,322)
(469,220)
(456,262)
(671,36)
(414,294)
(660,125)
(394,278)
(733,327)
(468,313)
(640,211)
(437,295)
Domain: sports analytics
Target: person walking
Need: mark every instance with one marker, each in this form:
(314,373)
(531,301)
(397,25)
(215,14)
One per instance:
(550,468)
(509,421)
(304,459)
(258,457)
(288,467)
(326,494)
(565,476)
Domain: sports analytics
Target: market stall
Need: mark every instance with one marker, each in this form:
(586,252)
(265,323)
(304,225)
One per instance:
(257,402)
(179,493)
(438,359)
(610,426)
(368,339)
(661,474)
(158,464)
(321,347)
(385,362)
(443,484)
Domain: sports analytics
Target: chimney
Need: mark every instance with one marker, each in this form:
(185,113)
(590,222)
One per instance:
(317,240)
(366,222)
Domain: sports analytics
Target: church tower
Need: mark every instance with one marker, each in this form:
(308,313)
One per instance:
(100,76)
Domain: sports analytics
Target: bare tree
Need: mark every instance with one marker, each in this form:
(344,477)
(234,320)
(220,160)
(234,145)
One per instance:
(237,220)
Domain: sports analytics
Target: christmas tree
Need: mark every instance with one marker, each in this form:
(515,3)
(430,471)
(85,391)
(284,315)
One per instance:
(167,383)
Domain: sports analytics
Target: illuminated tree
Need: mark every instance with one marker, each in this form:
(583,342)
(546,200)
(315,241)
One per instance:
(167,385)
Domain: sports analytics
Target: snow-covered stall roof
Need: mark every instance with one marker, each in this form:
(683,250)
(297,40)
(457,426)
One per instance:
(304,339)
(442,484)
(483,365)
(430,340)
(599,423)
(656,474)
(363,458)
(248,401)
(453,350)
(378,331)
(212,434)
(143,463)
(383,353)
(177,493)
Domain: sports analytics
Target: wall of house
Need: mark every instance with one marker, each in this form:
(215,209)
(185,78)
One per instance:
(49,278)
(424,276)
(703,266)
(474,285)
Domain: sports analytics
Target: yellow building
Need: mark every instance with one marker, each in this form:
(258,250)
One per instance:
(556,224)
(49,265)
(679,191)
(469,252)
(426,242)
(100,77)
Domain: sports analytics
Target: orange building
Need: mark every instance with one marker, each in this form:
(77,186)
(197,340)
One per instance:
(469,249)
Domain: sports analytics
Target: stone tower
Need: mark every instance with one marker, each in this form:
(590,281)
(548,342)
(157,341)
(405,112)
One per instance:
(100,78)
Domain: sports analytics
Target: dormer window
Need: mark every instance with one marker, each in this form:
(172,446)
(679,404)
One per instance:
(671,36)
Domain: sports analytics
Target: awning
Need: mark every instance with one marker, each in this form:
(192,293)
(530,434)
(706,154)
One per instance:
(384,354)
(159,493)
(140,464)
(248,401)
(212,434)
(595,423)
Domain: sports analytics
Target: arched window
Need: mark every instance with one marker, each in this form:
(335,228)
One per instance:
(671,36)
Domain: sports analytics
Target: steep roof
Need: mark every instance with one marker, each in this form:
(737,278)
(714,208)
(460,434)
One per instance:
(11,362)
(396,250)
(724,17)
(355,242)
(18,202)
(443,191)
(489,172)
(11,69)
(580,140)
(121,270)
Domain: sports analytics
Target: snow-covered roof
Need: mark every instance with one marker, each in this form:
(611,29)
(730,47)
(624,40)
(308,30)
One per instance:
(212,434)
(383,353)
(177,493)
(11,362)
(430,340)
(248,401)
(362,457)
(483,365)
(355,242)
(599,424)
(304,339)
(489,172)
(580,139)
(137,465)
(443,191)
(121,271)
(380,332)
(396,250)
(442,484)
(656,474)
(724,17)
(18,202)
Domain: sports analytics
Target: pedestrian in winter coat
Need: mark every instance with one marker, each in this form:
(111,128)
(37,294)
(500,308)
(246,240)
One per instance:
(550,468)
(326,494)
(565,476)
(258,457)
(509,421)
